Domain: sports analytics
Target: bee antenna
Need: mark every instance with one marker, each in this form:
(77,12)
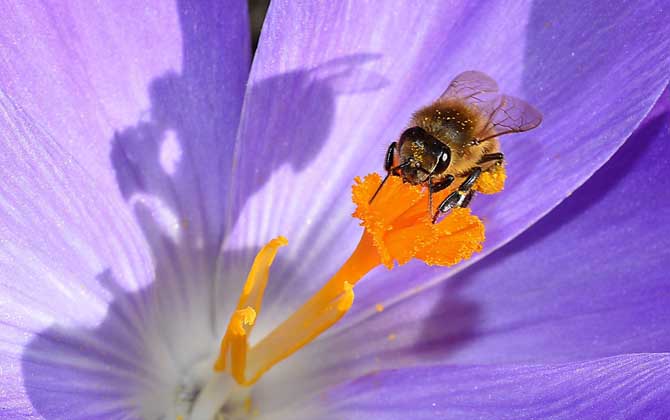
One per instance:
(390,171)
(380,187)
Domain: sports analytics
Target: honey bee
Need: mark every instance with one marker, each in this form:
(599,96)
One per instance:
(456,138)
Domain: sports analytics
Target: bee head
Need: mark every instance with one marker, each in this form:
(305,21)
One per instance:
(423,154)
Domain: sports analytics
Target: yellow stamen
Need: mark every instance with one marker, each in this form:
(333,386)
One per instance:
(379,307)
(398,227)
(234,345)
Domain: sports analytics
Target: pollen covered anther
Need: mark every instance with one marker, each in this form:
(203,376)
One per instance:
(401,227)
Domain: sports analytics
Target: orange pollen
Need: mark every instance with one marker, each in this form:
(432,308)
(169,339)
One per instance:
(397,227)
(491,181)
(400,224)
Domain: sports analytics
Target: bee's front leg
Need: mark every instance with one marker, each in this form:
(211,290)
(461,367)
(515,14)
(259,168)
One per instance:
(492,157)
(390,169)
(439,186)
(462,196)
(390,157)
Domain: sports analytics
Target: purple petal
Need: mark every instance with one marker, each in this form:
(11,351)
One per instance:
(60,234)
(589,280)
(333,84)
(631,386)
(113,125)
(117,84)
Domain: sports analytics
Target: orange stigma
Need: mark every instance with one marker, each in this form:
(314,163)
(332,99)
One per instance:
(401,227)
(397,228)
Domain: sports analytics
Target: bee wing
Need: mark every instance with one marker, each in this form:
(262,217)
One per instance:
(471,86)
(507,114)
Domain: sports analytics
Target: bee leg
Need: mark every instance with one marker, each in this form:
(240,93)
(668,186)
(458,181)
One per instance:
(388,165)
(390,156)
(498,157)
(430,194)
(442,184)
(468,198)
(433,188)
(461,197)
(471,179)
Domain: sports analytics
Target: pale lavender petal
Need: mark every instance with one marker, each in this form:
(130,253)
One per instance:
(333,84)
(589,280)
(147,95)
(631,386)
(62,237)
(116,133)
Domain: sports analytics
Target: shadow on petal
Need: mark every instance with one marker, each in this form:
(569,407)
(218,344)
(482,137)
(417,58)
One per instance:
(153,344)
(174,168)
(452,324)
(185,161)
(72,373)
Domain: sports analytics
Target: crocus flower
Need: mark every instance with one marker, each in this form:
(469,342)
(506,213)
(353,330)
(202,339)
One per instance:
(144,167)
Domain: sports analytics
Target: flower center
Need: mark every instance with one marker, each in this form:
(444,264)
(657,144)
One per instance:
(208,395)
(397,227)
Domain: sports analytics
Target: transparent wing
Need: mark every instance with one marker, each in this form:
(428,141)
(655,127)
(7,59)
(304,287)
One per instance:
(504,114)
(472,86)
(507,114)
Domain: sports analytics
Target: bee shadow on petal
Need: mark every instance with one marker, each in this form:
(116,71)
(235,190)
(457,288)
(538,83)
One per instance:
(187,183)
(174,173)
(187,170)
(183,156)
